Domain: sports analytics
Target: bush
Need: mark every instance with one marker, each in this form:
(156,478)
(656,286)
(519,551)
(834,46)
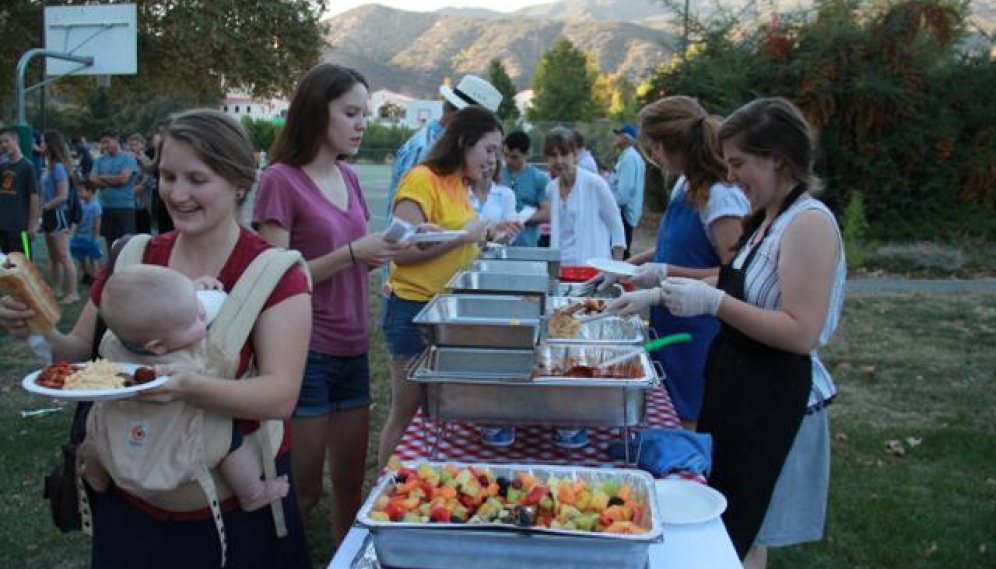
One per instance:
(855,232)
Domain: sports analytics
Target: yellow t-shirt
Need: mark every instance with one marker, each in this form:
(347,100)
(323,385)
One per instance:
(445,202)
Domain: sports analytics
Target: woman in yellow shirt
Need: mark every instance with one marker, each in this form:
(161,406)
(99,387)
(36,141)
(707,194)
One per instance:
(434,192)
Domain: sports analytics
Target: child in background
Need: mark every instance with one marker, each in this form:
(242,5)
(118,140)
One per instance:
(157,317)
(84,245)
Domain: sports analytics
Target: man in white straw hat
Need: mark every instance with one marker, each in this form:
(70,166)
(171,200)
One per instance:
(471,90)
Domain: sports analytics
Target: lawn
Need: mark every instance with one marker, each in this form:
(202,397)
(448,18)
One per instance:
(915,371)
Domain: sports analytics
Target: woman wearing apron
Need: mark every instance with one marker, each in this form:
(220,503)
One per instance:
(778,301)
(700,227)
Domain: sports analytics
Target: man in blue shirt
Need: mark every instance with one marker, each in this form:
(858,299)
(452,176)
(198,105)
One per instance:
(529,185)
(112,176)
(627,181)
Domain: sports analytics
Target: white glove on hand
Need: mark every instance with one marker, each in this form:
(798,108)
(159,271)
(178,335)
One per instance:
(649,275)
(601,281)
(690,297)
(634,302)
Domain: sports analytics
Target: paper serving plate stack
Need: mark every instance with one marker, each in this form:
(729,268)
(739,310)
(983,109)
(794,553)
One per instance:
(495,546)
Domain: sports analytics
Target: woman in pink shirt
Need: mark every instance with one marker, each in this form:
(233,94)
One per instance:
(310,200)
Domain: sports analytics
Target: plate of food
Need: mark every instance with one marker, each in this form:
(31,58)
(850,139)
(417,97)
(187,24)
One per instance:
(98,380)
(613,267)
(437,236)
(688,502)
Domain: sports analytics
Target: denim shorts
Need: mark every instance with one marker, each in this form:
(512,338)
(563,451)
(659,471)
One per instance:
(333,383)
(402,336)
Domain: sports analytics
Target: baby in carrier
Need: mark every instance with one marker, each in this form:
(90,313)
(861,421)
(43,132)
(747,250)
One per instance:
(157,318)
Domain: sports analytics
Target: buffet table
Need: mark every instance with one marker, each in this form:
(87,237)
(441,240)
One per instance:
(704,545)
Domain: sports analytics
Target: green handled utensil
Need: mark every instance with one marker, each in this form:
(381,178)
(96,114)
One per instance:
(667,341)
(649,346)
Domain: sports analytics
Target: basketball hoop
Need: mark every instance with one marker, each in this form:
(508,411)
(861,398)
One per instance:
(103,81)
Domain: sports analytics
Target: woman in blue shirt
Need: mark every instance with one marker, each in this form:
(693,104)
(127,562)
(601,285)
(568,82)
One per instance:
(55,215)
(700,227)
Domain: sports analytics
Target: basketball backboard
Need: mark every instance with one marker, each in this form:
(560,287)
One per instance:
(108,33)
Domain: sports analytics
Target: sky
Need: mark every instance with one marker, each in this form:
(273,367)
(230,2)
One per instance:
(339,6)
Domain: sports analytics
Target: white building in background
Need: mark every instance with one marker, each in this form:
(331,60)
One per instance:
(418,112)
(382,97)
(240,105)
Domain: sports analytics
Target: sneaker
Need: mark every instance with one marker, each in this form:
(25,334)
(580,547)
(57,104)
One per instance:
(498,436)
(570,438)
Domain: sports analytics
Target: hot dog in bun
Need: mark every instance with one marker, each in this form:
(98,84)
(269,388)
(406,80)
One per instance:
(20,279)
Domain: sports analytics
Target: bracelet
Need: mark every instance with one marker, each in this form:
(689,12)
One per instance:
(351,256)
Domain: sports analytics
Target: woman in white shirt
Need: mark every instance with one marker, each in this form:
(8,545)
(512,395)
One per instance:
(496,204)
(584,219)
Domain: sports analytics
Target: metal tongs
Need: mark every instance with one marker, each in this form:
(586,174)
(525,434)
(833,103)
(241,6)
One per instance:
(585,289)
(593,317)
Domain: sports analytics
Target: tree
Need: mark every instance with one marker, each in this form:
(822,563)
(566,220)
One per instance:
(198,48)
(499,77)
(617,96)
(391,111)
(562,86)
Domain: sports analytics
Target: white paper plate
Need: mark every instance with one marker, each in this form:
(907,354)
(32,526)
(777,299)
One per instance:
(437,236)
(688,502)
(613,267)
(92,394)
(525,213)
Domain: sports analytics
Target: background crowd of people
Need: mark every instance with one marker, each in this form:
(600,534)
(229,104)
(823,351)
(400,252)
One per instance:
(745,258)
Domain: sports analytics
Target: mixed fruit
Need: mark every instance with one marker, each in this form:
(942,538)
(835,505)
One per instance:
(473,495)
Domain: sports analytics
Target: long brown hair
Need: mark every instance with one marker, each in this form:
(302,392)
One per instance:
(686,129)
(469,125)
(308,116)
(55,151)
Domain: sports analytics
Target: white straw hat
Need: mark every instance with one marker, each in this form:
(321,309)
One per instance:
(472,90)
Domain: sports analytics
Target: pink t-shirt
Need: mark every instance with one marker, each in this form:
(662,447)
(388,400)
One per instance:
(340,303)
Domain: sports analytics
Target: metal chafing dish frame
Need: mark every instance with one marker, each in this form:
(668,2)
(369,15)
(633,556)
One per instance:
(471,282)
(468,395)
(494,546)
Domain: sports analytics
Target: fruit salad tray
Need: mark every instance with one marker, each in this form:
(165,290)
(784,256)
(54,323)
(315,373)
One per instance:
(433,515)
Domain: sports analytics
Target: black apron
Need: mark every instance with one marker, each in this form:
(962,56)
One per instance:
(755,398)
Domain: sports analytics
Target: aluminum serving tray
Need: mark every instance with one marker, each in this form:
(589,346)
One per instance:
(550,256)
(472,282)
(476,364)
(496,546)
(480,320)
(610,331)
(503,266)
(474,397)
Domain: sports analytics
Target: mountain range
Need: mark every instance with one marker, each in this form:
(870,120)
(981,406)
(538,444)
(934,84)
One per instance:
(413,52)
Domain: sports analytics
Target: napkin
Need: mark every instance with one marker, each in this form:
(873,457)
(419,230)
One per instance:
(663,451)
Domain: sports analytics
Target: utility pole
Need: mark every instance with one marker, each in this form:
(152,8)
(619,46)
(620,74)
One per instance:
(684,37)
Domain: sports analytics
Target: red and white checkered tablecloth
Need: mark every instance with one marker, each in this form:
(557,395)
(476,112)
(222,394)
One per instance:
(461,441)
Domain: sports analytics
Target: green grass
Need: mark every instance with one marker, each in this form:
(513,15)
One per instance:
(908,366)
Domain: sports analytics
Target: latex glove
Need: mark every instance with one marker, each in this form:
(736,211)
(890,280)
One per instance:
(649,275)
(634,302)
(690,297)
(601,282)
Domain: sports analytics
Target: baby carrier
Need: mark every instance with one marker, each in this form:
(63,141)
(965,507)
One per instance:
(167,454)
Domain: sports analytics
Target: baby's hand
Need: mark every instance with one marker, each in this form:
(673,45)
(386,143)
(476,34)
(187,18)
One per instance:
(208,283)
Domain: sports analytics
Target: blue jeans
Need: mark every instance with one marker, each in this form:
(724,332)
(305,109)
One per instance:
(402,336)
(333,383)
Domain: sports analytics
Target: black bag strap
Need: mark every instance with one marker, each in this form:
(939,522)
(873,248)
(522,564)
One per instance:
(77,431)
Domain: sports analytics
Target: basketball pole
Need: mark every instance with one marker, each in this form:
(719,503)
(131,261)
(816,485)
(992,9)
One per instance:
(22,68)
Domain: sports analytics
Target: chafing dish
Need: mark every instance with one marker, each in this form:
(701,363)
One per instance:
(480,320)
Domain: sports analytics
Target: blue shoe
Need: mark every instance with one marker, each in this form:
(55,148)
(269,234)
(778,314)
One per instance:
(570,438)
(498,436)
